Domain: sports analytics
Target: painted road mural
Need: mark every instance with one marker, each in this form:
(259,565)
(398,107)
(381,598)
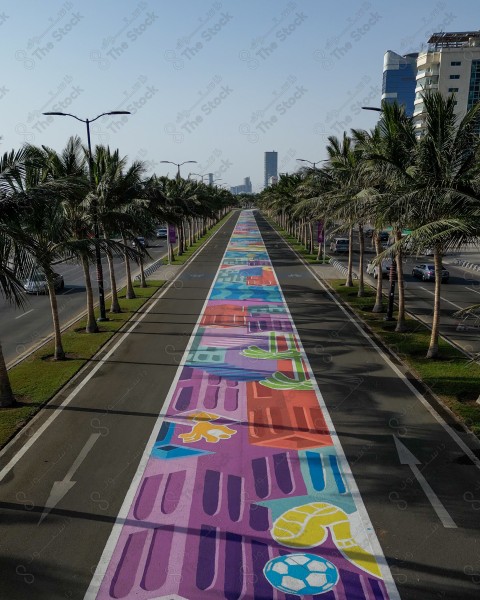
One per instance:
(245,492)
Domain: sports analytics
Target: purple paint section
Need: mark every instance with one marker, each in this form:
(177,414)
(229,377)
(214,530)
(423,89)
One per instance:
(196,528)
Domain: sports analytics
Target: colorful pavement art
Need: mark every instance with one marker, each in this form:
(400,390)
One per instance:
(245,492)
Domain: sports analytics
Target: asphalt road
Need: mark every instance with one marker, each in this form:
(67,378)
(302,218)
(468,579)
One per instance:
(115,412)
(23,328)
(462,290)
(95,443)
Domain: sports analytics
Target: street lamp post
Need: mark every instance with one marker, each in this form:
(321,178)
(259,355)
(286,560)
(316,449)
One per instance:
(200,175)
(178,165)
(96,233)
(392,271)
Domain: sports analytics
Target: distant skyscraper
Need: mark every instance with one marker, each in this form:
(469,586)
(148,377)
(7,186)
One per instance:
(271,166)
(246,188)
(210,179)
(399,73)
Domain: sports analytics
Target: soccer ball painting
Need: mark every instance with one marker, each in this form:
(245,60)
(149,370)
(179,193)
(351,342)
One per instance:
(301,574)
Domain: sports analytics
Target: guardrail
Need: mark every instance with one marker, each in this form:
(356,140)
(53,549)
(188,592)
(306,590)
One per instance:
(151,268)
(342,268)
(466,264)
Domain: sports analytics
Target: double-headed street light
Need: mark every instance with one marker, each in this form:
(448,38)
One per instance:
(314,164)
(98,258)
(200,175)
(178,165)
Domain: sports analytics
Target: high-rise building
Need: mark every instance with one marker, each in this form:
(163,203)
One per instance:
(451,65)
(271,166)
(399,81)
(246,188)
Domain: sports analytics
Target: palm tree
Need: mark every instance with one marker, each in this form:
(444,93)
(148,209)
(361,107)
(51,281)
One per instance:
(117,197)
(442,193)
(347,199)
(388,151)
(15,260)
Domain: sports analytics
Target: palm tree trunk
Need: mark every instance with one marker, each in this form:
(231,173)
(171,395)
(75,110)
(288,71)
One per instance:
(401,323)
(361,283)
(190,232)
(433,347)
(91,326)
(349,280)
(115,306)
(378,306)
(130,294)
(59,353)
(6,395)
(311,242)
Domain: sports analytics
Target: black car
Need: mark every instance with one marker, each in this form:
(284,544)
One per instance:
(426,272)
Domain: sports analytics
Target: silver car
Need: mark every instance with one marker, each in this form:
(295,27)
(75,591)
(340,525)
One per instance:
(426,272)
(373,270)
(37,283)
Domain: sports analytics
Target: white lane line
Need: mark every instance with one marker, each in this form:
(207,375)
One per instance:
(28,444)
(25,313)
(467,287)
(442,299)
(107,554)
(346,470)
(453,434)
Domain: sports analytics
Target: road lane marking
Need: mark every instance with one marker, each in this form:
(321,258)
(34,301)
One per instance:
(31,440)
(271,425)
(449,430)
(25,313)
(407,458)
(467,287)
(441,297)
(61,488)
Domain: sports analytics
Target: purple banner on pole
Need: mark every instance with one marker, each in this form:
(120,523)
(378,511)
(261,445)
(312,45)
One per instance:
(172,234)
(320,232)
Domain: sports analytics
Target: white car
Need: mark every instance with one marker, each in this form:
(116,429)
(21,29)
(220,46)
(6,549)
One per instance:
(373,270)
(37,283)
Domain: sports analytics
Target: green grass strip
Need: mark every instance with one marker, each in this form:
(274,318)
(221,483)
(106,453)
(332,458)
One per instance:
(38,378)
(453,377)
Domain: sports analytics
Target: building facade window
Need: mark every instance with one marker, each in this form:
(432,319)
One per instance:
(454,76)
(474,89)
(455,63)
(453,90)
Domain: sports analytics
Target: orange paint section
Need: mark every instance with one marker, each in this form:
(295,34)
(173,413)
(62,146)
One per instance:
(288,419)
(225,315)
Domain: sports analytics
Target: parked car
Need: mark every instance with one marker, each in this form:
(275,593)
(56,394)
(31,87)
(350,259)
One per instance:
(426,272)
(37,283)
(339,245)
(162,232)
(373,270)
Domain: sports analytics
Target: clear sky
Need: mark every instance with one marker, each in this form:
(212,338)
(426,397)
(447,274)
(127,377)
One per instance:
(219,82)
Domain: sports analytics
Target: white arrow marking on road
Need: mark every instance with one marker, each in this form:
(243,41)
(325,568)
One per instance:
(61,488)
(407,458)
